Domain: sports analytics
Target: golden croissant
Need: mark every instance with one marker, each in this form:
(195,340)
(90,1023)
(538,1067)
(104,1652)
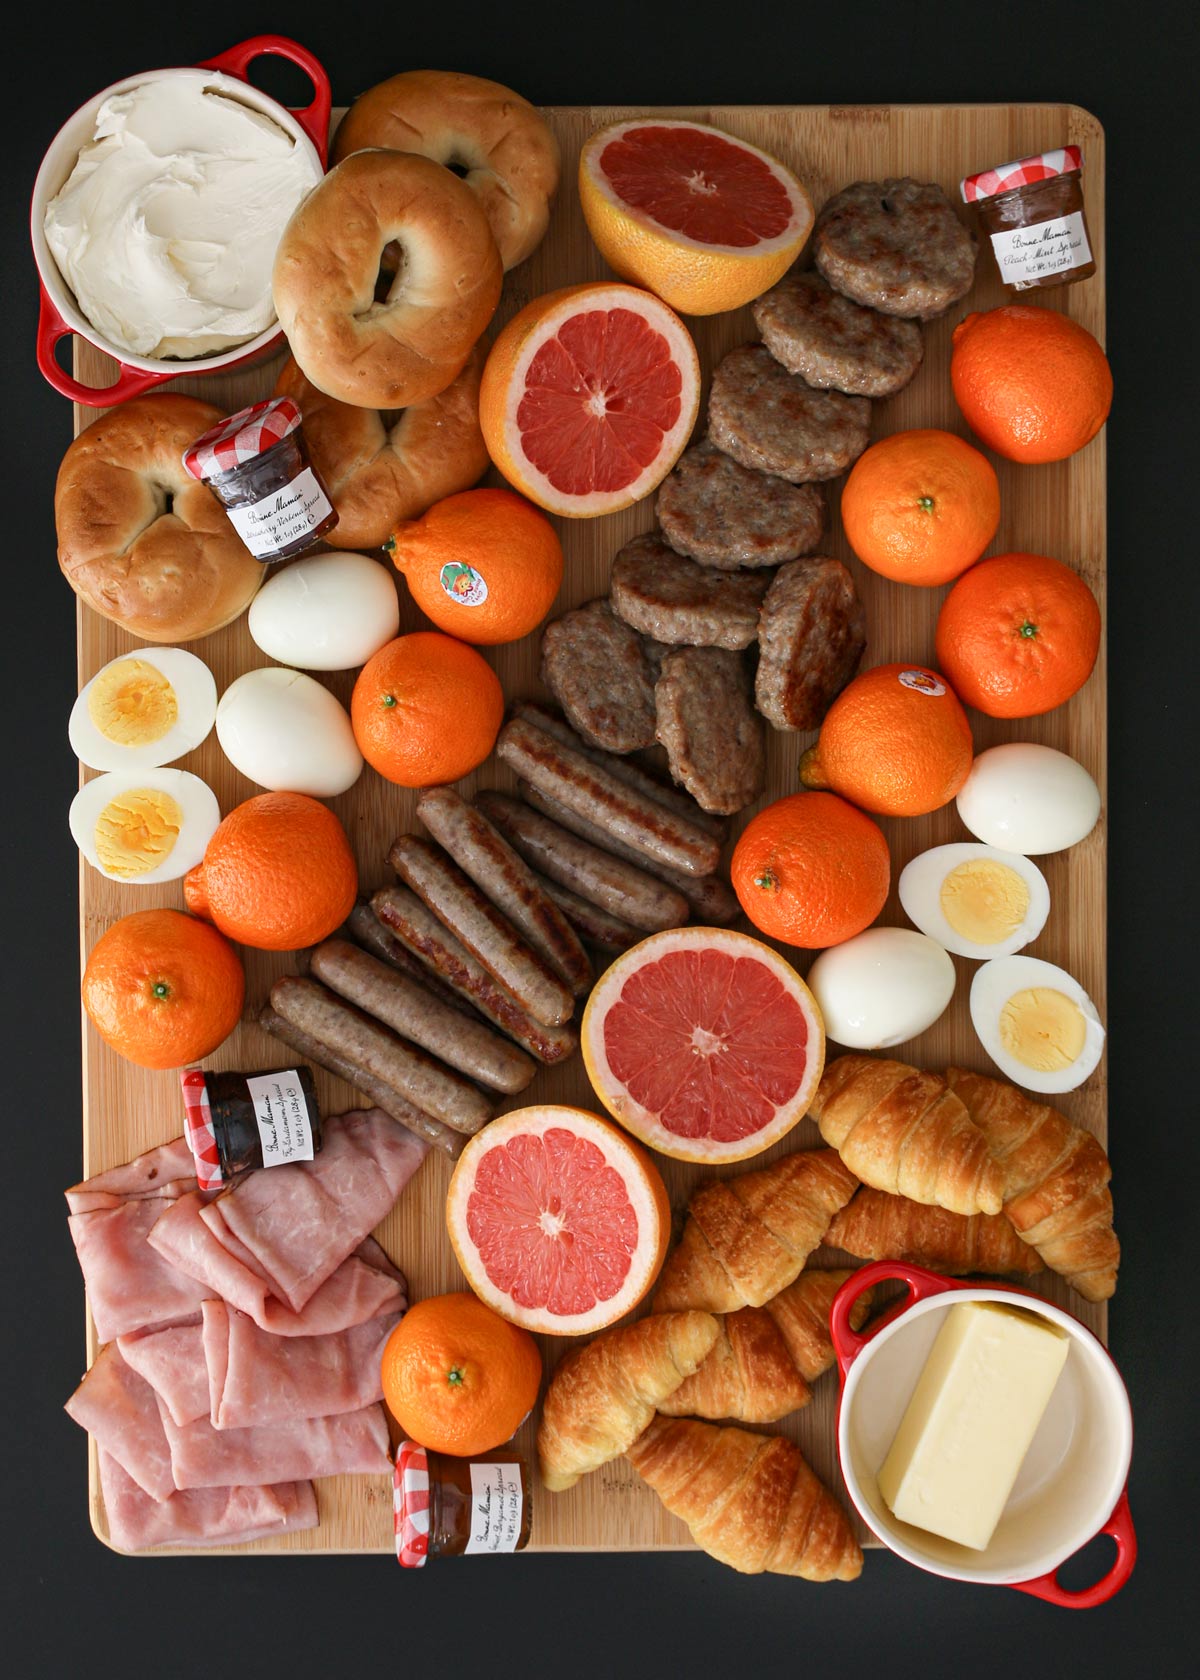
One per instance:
(876,1226)
(746,1238)
(604,1393)
(749,1500)
(1055,1181)
(903,1130)
(764,1358)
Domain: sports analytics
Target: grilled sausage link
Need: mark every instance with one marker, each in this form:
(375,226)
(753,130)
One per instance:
(589,920)
(365,928)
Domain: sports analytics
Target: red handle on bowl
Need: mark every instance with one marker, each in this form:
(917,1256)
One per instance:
(314,118)
(130,382)
(1120,1527)
(849,1343)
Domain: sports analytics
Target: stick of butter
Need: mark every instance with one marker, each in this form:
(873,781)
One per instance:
(973,1414)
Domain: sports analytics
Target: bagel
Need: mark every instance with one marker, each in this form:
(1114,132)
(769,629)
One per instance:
(482,130)
(397,214)
(379,469)
(140,540)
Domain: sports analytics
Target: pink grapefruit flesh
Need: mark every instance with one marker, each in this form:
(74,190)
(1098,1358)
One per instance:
(696,182)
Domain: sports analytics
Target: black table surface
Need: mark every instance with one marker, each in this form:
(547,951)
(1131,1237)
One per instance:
(75,1607)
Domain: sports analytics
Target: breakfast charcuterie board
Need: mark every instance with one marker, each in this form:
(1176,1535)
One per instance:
(1057,510)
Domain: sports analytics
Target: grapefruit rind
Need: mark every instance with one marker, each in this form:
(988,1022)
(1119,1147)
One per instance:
(643,1184)
(643,1123)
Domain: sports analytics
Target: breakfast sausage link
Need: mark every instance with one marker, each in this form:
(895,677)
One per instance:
(403,914)
(406,1007)
(486,856)
(574,781)
(589,920)
(620,888)
(376,1090)
(363,925)
(712,899)
(427,1083)
(490,937)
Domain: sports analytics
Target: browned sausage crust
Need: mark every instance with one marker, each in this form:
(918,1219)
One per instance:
(716,511)
(811,637)
(671,598)
(895,245)
(834,343)
(600,672)
(713,735)
(769,419)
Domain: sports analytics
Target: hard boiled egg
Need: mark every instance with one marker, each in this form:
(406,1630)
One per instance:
(143,709)
(975,900)
(881,987)
(284,731)
(142,826)
(1036,1023)
(1028,799)
(328,613)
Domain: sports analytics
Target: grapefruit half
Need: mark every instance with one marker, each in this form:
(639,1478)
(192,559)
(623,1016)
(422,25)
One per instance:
(588,398)
(706,1044)
(703,219)
(559,1221)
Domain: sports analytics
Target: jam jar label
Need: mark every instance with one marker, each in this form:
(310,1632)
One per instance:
(497,1508)
(284,517)
(463,584)
(284,1124)
(1028,254)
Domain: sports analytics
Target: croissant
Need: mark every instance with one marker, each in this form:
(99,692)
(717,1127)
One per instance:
(904,1131)
(749,1500)
(1055,1181)
(604,1394)
(876,1226)
(747,1238)
(764,1358)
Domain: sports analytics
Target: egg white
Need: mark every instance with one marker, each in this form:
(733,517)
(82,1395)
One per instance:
(1029,799)
(284,731)
(196,800)
(991,989)
(196,697)
(920,888)
(327,613)
(882,987)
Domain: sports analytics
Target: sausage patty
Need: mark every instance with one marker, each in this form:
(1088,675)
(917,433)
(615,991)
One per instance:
(769,419)
(714,510)
(674,600)
(895,245)
(713,736)
(811,636)
(599,671)
(834,343)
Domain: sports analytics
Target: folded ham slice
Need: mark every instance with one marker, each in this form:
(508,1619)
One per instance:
(351,1442)
(172,1362)
(275,1236)
(120,1409)
(203,1516)
(256,1379)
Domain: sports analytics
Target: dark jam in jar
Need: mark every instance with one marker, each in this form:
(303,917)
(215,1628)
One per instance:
(256,464)
(1032,212)
(459,1507)
(235,1121)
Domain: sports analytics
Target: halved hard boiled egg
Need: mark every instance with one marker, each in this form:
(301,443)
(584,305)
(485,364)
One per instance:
(143,709)
(881,988)
(143,826)
(975,900)
(1037,1024)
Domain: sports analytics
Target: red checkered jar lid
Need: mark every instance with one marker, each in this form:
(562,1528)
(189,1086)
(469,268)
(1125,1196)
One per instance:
(242,437)
(198,1128)
(410,1504)
(1023,173)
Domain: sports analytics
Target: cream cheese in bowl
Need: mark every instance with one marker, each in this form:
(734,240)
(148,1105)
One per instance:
(167,226)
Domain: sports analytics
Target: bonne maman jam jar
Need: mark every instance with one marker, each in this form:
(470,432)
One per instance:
(1032,212)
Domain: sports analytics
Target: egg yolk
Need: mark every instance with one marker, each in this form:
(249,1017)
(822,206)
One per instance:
(132,704)
(136,832)
(1043,1029)
(984,901)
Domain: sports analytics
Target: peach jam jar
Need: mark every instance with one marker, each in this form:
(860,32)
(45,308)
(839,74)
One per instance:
(1032,212)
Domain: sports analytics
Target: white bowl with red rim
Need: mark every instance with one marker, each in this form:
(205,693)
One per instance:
(1072,1484)
(60,315)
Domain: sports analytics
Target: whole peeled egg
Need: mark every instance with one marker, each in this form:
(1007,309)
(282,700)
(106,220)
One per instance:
(1029,799)
(285,732)
(327,613)
(975,900)
(882,987)
(1037,1023)
(144,826)
(143,709)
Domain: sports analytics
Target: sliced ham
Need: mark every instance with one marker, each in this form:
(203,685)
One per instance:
(255,1378)
(120,1409)
(277,1235)
(203,1516)
(172,1362)
(351,1442)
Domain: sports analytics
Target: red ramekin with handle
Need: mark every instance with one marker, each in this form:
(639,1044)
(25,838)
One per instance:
(1072,1485)
(61,316)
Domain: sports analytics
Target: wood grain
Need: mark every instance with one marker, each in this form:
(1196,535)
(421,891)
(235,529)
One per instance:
(1057,510)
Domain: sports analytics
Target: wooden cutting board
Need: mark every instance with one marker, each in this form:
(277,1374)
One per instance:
(1057,510)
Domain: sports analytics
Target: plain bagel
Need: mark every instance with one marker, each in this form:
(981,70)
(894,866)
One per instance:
(482,130)
(380,469)
(139,539)
(391,214)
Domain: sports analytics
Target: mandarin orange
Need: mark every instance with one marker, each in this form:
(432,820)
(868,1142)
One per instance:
(811,870)
(1033,385)
(920,507)
(426,709)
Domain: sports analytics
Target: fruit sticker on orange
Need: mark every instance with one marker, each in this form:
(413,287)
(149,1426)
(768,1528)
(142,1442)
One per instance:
(464,585)
(922,682)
